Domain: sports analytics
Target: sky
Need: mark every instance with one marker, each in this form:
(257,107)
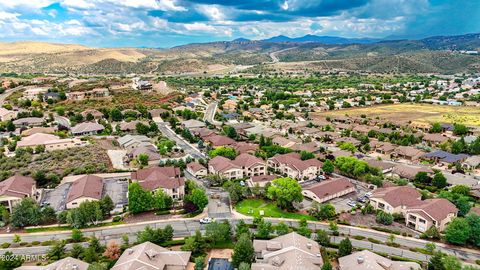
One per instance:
(167,23)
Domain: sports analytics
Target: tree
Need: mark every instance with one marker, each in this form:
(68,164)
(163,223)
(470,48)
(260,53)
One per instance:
(223,151)
(451,262)
(384,218)
(98,266)
(282,228)
(139,200)
(474,222)
(345,247)
(430,247)
(305,155)
(422,177)
(327,265)
(243,251)
(161,200)
(199,263)
(460,129)
(303,228)
(12,263)
(328,167)
(263,229)
(26,213)
(143,159)
(57,251)
(458,231)
(244,266)
(89,212)
(76,251)
(230,132)
(196,244)
(436,262)
(112,252)
(285,191)
(461,189)
(157,236)
(326,211)
(198,198)
(106,204)
(436,128)
(218,232)
(439,180)
(116,114)
(322,238)
(241,228)
(77,235)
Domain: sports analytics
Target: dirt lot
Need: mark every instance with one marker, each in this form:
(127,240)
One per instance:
(369,221)
(415,112)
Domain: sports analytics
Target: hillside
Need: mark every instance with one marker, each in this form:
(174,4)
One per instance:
(430,55)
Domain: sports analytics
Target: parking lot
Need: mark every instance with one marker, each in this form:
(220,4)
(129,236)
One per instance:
(56,198)
(117,190)
(219,205)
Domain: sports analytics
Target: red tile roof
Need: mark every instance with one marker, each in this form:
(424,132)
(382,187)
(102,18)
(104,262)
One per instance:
(159,177)
(89,186)
(221,164)
(330,187)
(17,186)
(398,195)
(247,160)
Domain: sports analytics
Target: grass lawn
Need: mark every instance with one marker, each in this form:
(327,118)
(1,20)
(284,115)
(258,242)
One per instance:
(252,207)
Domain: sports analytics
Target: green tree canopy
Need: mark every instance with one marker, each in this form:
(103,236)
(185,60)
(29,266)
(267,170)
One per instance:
(285,191)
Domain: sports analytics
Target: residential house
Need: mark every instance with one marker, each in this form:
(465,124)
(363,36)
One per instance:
(419,214)
(87,128)
(328,190)
(246,147)
(442,157)
(431,212)
(131,126)
(67,263)
(394,200)
(156,113)
(215,140)
(434,138)
(408,153)
(166,178)
(384,148)
(367,260)
(293,166)
(145,149)
(225,168)
(139,84)
(34,93)
(196,169)
(87,188)
(472,162)
(251,165)
(51,142)
(95,113)
(149,256)
(284,142)
(29,122)
(15,188)
(383,166)
(7,115)
(133,141)
(261,180)
(409,172)
(289,251)
(192,123)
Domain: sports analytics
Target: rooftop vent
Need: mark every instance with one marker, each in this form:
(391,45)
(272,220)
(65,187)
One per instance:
(360,259)
(309,245)
(129,251)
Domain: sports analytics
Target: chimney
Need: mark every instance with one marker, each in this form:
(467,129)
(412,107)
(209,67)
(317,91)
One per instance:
(130,251)
(360,259)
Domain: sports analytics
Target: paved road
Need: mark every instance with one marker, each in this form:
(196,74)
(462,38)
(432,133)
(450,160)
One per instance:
(62,121)
(210,114)
(187,147)
(7,93)
(186,227)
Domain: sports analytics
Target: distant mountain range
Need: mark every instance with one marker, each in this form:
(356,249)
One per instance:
(321,39)
(440,54)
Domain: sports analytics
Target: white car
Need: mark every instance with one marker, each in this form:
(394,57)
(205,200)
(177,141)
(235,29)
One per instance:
(352,203)
(206,220)
(368,194)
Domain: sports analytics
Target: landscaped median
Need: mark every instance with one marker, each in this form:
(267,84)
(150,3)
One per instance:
(254,207)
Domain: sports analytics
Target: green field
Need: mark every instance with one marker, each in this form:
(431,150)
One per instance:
(252,207)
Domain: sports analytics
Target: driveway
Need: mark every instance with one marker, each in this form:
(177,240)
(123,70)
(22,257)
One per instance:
(218,204)
(117,190)
(57,197)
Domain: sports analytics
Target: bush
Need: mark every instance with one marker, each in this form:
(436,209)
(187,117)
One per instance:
(47,243)
(36,243)
(358,237)
(5,245)
(384,218)
(375,241)
(116,219)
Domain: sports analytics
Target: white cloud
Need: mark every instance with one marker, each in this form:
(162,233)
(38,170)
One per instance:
(212,11)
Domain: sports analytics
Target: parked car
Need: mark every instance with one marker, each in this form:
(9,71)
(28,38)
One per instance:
(206,220)
(352,203)
(368,194)
(362,199)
